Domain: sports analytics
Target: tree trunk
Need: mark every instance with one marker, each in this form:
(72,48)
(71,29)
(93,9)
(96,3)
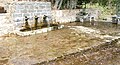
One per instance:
(56,4)
(68,4)
(60,4)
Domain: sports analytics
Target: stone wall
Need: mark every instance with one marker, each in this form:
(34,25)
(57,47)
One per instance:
(13,20)
(30,9)
(18,10)
(5,25)
(64,16)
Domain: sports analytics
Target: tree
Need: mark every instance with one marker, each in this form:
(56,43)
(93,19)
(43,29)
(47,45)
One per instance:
(72,4)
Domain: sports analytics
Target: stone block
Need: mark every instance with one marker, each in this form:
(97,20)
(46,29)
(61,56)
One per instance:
(26,14)
(49,29)
(17,15)
(39,11)
(36,14)
(42,7)
(26,7)
(44,13)
(20,7)
(24,11)
(44,30)
(31,7)
(17,11)
(47,6)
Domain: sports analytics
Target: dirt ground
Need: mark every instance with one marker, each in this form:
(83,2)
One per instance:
(29,50)
(102,55)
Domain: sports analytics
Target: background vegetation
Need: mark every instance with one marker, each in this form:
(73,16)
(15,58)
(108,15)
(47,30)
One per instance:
(107,7)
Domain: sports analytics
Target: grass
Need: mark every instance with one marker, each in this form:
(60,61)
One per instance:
(105,11)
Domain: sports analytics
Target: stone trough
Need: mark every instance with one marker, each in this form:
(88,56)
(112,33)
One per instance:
(33,32)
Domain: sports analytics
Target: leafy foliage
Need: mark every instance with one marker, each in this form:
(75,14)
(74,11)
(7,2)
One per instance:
(72,4)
